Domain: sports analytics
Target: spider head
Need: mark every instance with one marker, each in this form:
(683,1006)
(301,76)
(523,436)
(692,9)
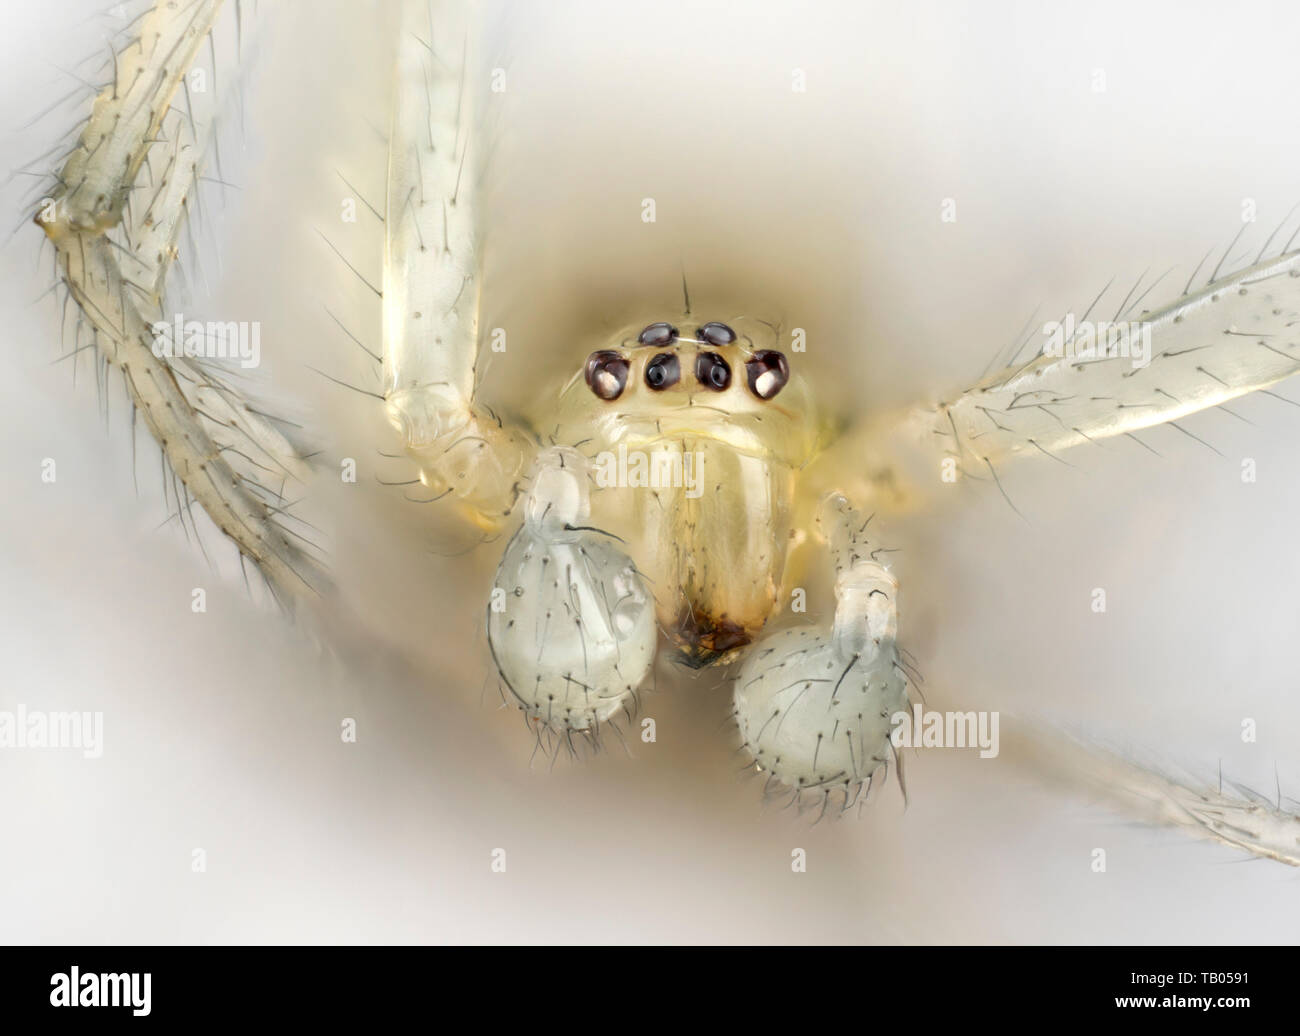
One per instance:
(689,377)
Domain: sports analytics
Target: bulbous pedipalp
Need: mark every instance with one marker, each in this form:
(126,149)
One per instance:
(571,625)
(815,706)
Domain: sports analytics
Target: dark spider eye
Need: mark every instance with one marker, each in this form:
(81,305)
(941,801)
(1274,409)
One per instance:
(767,373)
(712,372)
(658,334)
(662,371)
(607,373)
(714,333)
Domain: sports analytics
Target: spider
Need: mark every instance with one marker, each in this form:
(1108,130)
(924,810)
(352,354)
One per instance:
(671,492)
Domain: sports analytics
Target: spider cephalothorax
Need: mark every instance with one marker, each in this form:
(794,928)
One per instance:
(694,440)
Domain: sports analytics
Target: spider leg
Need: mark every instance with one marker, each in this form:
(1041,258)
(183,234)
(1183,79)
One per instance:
(1091,380)
(431,275)
(1242,820)
(114,252)
(1237,334)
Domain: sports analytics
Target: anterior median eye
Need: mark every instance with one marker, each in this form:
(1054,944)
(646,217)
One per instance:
(715,333)
(767,373)
(607,373)
(658,334)
(712,371)
(662,371)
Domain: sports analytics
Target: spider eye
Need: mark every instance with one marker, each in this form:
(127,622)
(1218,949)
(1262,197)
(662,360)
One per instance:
(662,371)
(712,372)
(661,333)
(767,373)
(607,373)
(715,333)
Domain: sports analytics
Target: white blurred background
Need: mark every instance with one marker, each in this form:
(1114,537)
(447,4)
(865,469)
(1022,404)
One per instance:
(819,208)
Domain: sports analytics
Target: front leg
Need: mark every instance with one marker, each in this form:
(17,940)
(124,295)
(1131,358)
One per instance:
(431,275)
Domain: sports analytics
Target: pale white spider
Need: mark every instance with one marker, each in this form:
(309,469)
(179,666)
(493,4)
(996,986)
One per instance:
(677,485)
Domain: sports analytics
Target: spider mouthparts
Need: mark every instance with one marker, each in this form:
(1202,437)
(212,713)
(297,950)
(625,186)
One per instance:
(703,640)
